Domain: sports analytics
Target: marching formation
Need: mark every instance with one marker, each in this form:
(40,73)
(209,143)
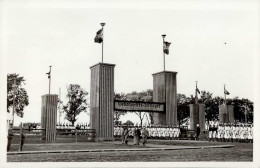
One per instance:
(231,133)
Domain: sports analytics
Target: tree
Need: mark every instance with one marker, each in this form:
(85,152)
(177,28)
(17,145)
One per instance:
(243,109)
(145,96)
(128,123)
(77,102)
(211,105)
(183,110)
(16,94)
(240,106)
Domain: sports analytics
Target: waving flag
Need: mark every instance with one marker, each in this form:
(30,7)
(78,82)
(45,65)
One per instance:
(166,46)
(49,74)
(99,36)
(226,92)
(197,90)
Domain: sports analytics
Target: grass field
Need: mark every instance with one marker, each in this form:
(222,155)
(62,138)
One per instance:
(240,152)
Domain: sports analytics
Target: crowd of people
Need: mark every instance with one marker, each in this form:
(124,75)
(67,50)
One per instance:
(231,132)
(153,132)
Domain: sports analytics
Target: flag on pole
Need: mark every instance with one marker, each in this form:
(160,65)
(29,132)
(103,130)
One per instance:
(166,46)
(197,90)
(226,92)
(49,75)
(99,36)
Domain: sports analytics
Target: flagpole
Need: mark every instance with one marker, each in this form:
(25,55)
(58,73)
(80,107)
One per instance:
(163,36)
(163,53)
(196,95)
(225,94)
(50,81)
(102,24)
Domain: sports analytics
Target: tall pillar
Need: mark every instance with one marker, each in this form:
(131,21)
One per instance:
(223,114)
(49,116)
(165,90)
(230,110)
(226,114)
(194,116)
(202,116)
(197,116)
(102,100)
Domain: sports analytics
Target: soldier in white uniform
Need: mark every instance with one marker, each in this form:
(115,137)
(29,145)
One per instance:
(121,130)
(218,133)
(163,132)
(222,134)
(171,133)
(159,132)
(250,136)
(241,133)
(210,132)
(154,132)
(233,128)
(237,133)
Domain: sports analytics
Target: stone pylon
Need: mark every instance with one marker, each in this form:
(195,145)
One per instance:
(165,90)
(49,116)
(102,100)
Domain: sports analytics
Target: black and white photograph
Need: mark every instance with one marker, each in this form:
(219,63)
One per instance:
(144,83)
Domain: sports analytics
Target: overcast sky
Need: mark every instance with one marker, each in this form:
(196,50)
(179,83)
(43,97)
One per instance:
(39,34)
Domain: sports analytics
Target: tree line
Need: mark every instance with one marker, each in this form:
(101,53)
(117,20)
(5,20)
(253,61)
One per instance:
(77,102)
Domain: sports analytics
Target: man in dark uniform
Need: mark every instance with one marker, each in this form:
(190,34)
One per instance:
(198,132)
(22,140)
(138,132)
(144,136)
(9,137)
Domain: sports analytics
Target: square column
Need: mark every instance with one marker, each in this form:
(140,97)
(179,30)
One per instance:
(49,116)
(197,116)
(102,100)
(165,90)
(194,116)
(202,116)
(226,114)
(230,109)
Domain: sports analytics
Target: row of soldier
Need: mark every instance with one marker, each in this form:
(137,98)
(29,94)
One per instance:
(153,132)
(231,133)
(78,126)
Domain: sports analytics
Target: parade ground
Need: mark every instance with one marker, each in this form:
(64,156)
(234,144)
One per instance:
(154,151)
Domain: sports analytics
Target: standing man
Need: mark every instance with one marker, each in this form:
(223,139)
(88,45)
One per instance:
(126,135)
(137,135)
(198,132)
(22,140)
(144,136)
(9,137)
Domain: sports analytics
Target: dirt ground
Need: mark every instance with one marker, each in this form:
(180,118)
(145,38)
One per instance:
(240,152)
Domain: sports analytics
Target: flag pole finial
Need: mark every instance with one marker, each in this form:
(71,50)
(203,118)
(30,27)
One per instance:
(102,24)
